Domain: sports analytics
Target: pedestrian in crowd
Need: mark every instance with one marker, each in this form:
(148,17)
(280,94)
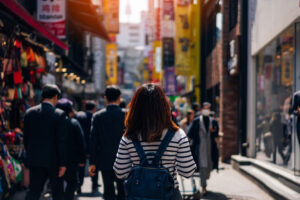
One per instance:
(123,105)
(276,128)
(85,120)
(197,109)
(186,122)
(75,148)
(107,130)
(45,142)
(296,111)
(200,136)
(214,137)
(148,120)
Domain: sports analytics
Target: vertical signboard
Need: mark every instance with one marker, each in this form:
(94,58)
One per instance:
(183,36)
(158,24)
(98,47)
(170,82)
(167,23)
(111,10)
(111,64)
(52,15)
(168,52)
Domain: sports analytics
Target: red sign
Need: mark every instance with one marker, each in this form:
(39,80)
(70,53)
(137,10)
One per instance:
(52,15)
(158,23)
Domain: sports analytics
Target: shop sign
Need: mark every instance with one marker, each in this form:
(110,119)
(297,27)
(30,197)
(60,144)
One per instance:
(170,81)
(168,52)
(168,15)
(158,24)
(150,60)
(111,10)
(168,10)
(233,61)
(98,47)
(157,56)
(111,64)
(50,58)
(52,15)
(183,38)
(167,29)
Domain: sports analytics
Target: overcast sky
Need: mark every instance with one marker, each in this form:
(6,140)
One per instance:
(136,6)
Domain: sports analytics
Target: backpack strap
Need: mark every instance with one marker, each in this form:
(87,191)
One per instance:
(140,151)
(164,144)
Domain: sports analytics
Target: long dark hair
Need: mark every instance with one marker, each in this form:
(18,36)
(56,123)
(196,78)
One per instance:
(149,114)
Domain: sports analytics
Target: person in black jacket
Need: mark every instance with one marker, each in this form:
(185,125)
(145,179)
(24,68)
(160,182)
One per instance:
(296,111)
(85,120)
(107,131)
(45,145)
(76,148)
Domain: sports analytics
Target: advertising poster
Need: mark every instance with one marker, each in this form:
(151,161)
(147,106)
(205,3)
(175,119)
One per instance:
(52,15)
(158,23)
(183,38)
(168,52)
(111,10)
(170,81)
(168,10)
(111,64)
(168,15)
(157,60)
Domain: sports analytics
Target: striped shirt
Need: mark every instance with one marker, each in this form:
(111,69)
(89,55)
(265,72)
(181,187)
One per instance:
(177,156)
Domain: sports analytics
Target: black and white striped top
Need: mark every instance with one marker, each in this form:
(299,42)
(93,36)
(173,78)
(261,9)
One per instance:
(177,156)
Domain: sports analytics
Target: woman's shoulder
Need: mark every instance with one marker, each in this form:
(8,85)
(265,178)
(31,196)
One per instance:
(125,140)
(179,135)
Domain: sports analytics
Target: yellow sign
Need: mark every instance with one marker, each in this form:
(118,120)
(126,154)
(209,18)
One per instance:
(111,64)
(183,38)
(157,57)
(111,10)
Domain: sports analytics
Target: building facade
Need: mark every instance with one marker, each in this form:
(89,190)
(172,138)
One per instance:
(273,72)
(223,66)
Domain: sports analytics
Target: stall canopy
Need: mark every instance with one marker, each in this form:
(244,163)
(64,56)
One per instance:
(83,16)
(22,13)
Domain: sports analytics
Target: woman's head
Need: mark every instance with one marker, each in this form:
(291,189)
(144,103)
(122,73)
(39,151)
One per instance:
(190,115)
(149,114)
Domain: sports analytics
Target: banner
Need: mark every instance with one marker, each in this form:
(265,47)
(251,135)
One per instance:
(168,10)
(111,64)
(158,24)
(111,11)
(183,38)
(52,15)
(168,15)
(168,52)
(157,60)
(170,81)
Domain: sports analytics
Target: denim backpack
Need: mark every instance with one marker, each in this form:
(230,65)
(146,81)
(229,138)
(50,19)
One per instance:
(150,181)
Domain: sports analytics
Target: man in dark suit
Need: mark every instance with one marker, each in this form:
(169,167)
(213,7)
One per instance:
(45,144)
(296,110)
(107,130)
(85,120)
(76,148)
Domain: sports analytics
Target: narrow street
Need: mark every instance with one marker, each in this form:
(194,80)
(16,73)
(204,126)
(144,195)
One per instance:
(227,184)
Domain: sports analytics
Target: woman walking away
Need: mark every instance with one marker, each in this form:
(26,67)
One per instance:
(151,133)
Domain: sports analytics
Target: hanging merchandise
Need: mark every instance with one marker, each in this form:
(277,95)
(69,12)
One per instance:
(17,170)
(30,57)
(23,60)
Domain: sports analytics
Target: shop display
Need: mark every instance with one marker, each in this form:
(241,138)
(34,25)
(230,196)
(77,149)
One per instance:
(21,67)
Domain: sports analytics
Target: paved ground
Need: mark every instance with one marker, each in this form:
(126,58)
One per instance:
(225,185)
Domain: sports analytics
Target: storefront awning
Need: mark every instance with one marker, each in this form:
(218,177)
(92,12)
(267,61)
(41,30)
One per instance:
(83,15)
(22,13)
